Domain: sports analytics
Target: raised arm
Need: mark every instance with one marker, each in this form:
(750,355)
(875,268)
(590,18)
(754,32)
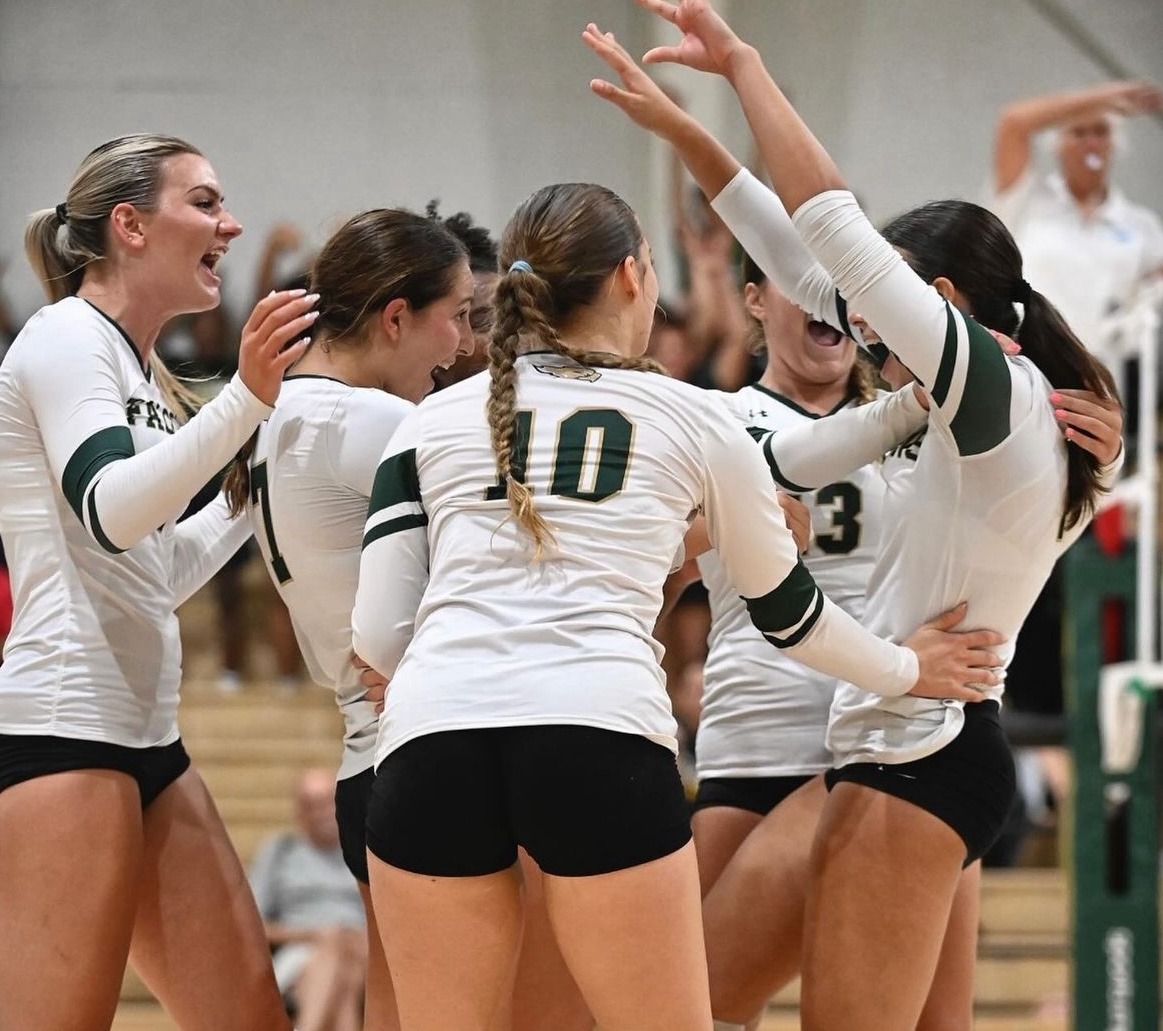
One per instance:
(753,214)
(1020,121)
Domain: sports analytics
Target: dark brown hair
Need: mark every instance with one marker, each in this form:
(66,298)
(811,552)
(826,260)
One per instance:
(969,245)
(376,257)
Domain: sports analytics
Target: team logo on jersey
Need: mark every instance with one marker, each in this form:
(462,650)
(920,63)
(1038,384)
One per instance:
(144,412)
(570,371)
(908,449)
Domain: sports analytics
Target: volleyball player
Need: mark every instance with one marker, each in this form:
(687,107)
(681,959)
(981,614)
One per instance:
(520,530)
(992,498)
(395,292)
(110,845)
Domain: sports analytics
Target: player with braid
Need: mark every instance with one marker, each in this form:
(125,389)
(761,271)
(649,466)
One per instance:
(512,572)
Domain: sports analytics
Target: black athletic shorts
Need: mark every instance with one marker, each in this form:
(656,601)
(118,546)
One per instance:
(969,784)
(25,756)
(758,795)
(581,801)
(351,801)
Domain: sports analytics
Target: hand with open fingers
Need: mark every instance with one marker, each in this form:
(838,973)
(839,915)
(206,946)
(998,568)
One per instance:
(1135,97)
(708,43)
(954,663)
(375,684)
(264,355)
(1092,422)
(640,97)
(798,517)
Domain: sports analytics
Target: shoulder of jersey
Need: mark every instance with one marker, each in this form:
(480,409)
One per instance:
(61,318)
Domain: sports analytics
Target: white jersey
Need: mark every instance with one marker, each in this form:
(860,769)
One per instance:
(763,713)
(473,633)
(93,471)
(311,477)
(973,510)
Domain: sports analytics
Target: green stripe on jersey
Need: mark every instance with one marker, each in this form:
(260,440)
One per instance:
(98,532)
(982,420)
(108,445)
(944,378)
(776,475)
(390,526)
(796,598)
(396,482)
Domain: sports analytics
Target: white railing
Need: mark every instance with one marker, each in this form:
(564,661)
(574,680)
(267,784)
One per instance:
(1134,331)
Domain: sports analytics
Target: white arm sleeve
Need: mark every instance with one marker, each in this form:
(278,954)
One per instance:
(807,457)
(759,221)
(120,496)
(746,526)
(203,543)
(961,367)
(393,567)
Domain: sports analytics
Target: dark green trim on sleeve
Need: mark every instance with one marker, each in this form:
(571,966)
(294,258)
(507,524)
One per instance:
(944,378)
(108,445)
(396,482)
(390,526)
(796,598)
(97,531)
(758,433)
(842,315)
(776,475)
(982,420)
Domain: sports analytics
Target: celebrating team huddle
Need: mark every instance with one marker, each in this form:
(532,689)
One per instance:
(477,575)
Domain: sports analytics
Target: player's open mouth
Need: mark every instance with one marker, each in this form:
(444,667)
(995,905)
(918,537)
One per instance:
(823,334)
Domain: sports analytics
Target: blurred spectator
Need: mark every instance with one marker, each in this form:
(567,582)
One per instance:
(1087,248)
(1084,244)
(313,914)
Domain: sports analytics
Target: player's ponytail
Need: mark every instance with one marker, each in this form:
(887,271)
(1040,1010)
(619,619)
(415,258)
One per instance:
(970,246)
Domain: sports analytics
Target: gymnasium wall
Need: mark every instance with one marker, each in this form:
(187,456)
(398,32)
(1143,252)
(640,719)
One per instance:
(310,111)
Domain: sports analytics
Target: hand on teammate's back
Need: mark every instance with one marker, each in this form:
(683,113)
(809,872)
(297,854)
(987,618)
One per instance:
(954,663)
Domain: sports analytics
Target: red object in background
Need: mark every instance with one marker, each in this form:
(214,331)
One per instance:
(1110,535)
(1109,530)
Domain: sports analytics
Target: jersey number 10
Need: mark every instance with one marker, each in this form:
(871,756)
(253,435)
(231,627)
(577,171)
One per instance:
(590,456)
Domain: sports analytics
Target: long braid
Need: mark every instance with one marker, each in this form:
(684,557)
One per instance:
(514,314)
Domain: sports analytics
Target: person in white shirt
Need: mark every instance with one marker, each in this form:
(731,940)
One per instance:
(110,846)
(1084,245)
(521,527)
(395,291)
(981,510)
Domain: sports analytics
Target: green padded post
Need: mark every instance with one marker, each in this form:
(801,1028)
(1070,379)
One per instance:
(1115,853)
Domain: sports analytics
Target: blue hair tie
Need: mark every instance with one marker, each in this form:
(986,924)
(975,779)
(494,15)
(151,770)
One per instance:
(521,266)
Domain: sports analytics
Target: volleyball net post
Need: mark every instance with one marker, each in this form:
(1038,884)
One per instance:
(1113,677)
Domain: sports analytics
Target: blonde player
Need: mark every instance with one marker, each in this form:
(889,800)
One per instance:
(520,531)
(395,293)
(109,843)
(992,499)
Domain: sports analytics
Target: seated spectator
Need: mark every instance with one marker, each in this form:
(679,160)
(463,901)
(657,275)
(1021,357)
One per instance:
(312,912)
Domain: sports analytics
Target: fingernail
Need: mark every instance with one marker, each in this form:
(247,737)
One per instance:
(297,292)
(312,298)
(313,314)
(1055,397)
